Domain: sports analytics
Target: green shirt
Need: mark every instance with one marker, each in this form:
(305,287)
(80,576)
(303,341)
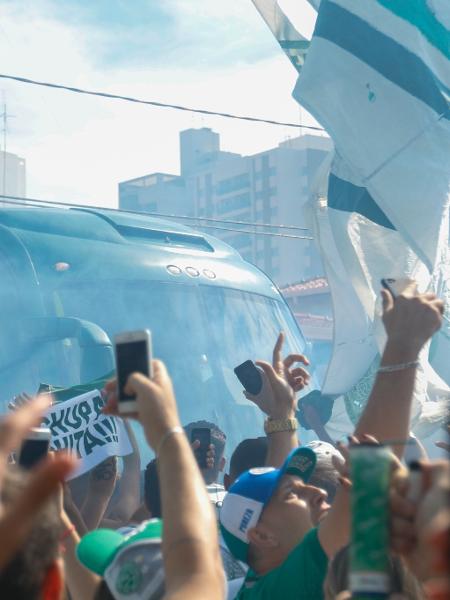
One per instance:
(300,577)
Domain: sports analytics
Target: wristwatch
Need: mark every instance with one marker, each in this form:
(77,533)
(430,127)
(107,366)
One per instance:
(278,425)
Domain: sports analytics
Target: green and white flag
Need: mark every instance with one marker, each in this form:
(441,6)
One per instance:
(293,44)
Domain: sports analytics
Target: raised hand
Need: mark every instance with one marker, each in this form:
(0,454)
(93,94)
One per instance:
(280,383)
(297,378)
(412,318)
(43,481)
(210,454)
(157,409)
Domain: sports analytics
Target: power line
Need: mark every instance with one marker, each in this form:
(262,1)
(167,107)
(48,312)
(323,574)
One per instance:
(283,235)
(210,219)
(154,103)
(20,200)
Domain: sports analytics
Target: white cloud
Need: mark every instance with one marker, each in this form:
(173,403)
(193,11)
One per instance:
(78,148)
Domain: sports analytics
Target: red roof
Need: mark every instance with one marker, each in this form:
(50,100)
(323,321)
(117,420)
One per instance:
(311,286)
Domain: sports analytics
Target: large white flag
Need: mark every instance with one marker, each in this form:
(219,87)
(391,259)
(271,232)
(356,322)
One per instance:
(377,76)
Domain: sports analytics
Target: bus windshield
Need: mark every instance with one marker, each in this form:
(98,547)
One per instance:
(201,333)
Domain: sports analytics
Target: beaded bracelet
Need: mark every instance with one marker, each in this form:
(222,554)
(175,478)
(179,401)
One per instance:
(400,367)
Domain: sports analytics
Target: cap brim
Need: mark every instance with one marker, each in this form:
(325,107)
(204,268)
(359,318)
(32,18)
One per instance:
(301,462)
(97,548)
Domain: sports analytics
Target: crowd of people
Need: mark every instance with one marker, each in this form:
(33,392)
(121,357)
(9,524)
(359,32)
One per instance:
(283,525)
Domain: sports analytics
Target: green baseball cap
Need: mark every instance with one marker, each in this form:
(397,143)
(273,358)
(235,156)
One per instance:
(130,562)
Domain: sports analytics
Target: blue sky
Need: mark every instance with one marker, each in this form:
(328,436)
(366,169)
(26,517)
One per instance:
(212,54)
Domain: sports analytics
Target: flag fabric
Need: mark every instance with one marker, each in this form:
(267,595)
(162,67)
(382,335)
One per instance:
(377,77)
(357,252)
(294,45)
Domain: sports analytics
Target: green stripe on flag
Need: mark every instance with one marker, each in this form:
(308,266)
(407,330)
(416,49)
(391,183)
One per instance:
(418,13)
(67,393)
(294,44)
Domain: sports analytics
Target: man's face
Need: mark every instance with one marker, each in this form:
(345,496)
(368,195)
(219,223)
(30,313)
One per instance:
(294,509)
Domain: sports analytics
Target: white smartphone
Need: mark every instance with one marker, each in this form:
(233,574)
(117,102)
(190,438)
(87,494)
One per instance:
(133,355)
(34,447)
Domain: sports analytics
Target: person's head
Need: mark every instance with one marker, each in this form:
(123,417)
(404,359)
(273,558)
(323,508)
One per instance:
(325,475)
(36,571)
(267,512)
(152,498)
(322,406)
(218,439)
(131,565)
(401,579)
(249,454)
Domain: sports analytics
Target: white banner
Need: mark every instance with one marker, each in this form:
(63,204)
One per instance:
(78,425)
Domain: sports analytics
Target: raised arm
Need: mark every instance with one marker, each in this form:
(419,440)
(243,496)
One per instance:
(192,564)
(410,321)
(43,483)
(101,483)
(277,401)
(81,582)
(128,499)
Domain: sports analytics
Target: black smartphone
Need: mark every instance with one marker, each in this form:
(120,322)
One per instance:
(133,355)
(250,377)
(396,286)
(203,435)
(35,447)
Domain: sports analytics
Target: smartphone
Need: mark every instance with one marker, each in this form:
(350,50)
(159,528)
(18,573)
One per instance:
(35,447)
(203,435)
(396,286)
(250,377)
(133,355)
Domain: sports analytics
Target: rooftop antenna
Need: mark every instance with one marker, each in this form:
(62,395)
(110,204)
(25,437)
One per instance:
(4,116)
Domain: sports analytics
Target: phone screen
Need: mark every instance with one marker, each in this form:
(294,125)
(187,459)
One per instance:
(250,377)
(132,357)
(32,452)
(203,435)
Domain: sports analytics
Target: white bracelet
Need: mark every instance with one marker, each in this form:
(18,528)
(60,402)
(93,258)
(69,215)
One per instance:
(400,367)
(167,435)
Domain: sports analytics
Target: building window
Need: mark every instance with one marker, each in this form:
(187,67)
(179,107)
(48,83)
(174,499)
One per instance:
(271,172)
(232,203)
(244,216)
(265,193)
(232,184)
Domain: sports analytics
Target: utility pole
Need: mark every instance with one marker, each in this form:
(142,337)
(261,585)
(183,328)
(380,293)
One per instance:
(4,117)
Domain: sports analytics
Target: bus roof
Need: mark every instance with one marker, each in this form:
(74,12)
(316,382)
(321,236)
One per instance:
(103,244)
